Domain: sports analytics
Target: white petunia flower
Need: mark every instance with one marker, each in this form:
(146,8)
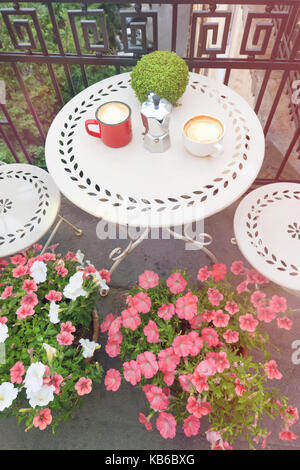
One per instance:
(3,333)
(7,395)
(42,397)
(74,288)
(34,377)
(88,347)
(53,312)
(80,256)
(38,272)
(99,280)
(50,351)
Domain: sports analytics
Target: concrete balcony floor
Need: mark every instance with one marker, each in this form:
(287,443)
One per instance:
(109,420)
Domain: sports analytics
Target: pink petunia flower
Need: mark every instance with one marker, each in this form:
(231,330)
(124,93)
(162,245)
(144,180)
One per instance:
(266,314)
(112,380)
(221,319)
(176,283)
(7,292)
(248,322)
(231,307)
(141,302)
(65,338)
(47,257)
(231,336)
(208,315)
(214,296)
(53,296)
(242,287)
(237,267)
(198,408)
(18,259)
(196,343)
(30,300)
(148,279)
(284,322)
(151,332)
(196,322)
(191,426)
(278,304)
(287,435)
(83,386)
(166,424)
(107,322)
(147,364)
(203,274)
(144,420)
(167,360)
(186,382)
(43,419)
(292,417)
(70,256)
(221,361)
(272,371)
(17,372)
(20,271)
(115,326)
(182,345)
(24,311)
(130,319)
(158,400)
(112,348)
(169,378)
(105,275)
(166,311)
(239,387)
(29,286)
(38,246)
(206,367)
(3,320)
(186,306)
(68,327)
(210,336)
(258,299)
(55,380)
(199,381)
(132,372)
(61,270)
(218,272)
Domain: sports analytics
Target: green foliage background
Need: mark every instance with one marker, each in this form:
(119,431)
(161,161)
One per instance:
(37,80)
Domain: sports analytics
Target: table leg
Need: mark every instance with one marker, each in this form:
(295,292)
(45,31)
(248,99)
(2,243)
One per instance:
(118,254)
(192,244)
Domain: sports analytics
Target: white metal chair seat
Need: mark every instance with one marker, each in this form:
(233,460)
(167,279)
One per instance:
(29,205)
(267,231)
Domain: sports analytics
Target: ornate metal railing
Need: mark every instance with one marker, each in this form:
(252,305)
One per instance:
(48,39)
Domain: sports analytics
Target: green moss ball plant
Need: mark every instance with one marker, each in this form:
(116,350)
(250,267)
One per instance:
(163,72)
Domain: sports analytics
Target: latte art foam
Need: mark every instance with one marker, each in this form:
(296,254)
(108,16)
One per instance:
(113,113)
(204,129)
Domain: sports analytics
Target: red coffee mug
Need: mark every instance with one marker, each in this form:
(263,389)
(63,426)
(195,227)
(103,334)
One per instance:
(113,134)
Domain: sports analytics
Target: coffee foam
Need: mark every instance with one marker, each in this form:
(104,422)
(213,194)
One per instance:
(204,129)
(113,113)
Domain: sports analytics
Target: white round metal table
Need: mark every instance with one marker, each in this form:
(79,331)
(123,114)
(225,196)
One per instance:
(131,186)
(267,231)
(29,205)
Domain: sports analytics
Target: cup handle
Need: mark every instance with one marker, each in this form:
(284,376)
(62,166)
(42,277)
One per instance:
(218,149)
(89,122)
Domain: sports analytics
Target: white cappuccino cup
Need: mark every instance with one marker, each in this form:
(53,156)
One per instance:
(203,134)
